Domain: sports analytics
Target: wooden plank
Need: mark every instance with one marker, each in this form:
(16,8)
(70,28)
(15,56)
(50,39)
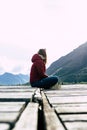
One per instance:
(4,126)
(76,125)
(16,95)
(28,119)
(73,117)
(61,93)
(69,105)
(11,106)
(51,120)
(74,109)
(9,117)
(11,96)
(10,111)
(12,103)
(74,86)
(74,99)
(16,90)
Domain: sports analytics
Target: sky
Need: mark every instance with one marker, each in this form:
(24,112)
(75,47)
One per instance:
(59,26)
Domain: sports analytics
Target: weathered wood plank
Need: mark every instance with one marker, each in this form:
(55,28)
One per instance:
(11,96)
(15,90)
(69,105)
(17,95)
(9,117)
(11,106)
(63,93)
(74,99)
(76,125)
(12,103)
(4,126)
(74,109)
(51,120)
(29,118)
(74,86)
(73,117)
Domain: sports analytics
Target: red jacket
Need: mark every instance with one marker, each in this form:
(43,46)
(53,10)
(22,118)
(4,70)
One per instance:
(38,69)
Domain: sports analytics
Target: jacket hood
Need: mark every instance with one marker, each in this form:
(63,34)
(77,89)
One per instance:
(36,57)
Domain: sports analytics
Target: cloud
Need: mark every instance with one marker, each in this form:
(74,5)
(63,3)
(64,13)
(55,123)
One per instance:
(13,66)
(21,68)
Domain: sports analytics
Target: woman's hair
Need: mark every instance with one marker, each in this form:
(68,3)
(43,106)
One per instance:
(43,53)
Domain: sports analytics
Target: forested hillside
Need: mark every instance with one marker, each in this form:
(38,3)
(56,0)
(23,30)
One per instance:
(71,68)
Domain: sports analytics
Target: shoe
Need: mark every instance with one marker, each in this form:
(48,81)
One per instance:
(56,86)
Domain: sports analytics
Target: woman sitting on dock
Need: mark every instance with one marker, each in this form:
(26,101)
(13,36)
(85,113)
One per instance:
(38,76)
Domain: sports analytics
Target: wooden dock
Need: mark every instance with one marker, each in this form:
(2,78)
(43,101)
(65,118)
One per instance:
(25,108)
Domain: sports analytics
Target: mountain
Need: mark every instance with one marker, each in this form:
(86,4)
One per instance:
(11,79)
(71,68)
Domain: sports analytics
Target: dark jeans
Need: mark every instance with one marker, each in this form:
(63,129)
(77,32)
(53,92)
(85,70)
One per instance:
(45,83)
